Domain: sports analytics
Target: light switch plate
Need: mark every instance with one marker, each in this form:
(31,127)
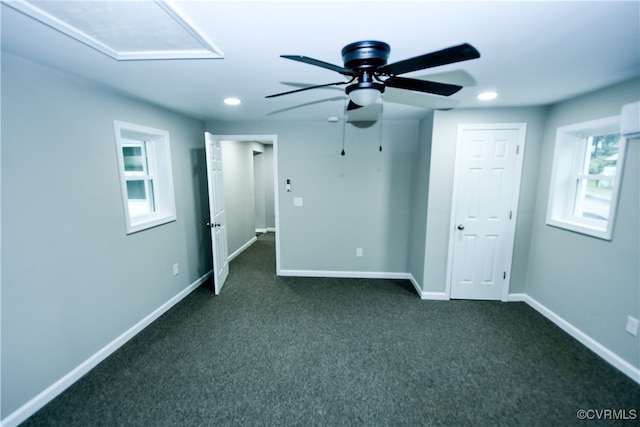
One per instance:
(632,326)
(297,201)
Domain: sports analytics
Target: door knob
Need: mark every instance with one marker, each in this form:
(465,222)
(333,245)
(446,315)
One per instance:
(460,227)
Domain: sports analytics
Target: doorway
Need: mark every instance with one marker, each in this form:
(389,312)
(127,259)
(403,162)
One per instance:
(485,200)
(249,180)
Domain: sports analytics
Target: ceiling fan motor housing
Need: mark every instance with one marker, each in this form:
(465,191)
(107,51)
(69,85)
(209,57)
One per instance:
(365,54)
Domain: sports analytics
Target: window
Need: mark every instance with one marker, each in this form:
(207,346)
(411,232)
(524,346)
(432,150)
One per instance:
(587,167)
(144,164)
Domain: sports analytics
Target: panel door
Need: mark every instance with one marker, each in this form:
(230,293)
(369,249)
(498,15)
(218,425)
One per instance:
(217,214)
(484,205)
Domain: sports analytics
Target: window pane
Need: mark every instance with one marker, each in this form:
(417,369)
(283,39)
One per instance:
(603,154)
(136,190)
(134,158)
(140,197)
(593,198)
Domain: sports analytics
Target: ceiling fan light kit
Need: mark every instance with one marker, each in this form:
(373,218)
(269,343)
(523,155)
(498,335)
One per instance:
(365,63)
(364,93)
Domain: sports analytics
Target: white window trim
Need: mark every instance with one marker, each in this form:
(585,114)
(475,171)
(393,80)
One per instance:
(159,153)
(567,148)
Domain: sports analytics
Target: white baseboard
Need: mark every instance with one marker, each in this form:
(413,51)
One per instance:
(616,361)
(438,296)
(426,295)
(242,248)
(516,297)
(415,284)
(367,275)
(32,406)
(266,230)
(344,274)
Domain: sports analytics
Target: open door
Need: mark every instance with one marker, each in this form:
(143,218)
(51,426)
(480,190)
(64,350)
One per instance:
(217,214)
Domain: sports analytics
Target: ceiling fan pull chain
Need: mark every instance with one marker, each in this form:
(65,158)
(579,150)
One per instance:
(381,121)
(344,119)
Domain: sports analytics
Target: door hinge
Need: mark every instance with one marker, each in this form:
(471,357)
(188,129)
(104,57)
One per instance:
(504,275)
(517,149)
(510,214)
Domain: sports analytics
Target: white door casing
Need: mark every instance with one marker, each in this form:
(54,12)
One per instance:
(485,199)
(217,214)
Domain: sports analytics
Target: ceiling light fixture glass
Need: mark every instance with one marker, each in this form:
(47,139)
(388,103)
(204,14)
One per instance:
(364,93)
(487,96)
(232,101)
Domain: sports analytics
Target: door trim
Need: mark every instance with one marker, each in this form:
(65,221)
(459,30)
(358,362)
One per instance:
(269,139)
(522,131)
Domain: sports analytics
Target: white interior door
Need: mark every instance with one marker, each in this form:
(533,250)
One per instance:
(217,214)
(487,182)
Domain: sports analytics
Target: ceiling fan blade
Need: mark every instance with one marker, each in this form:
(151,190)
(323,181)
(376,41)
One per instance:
(353,106)
(306,88)
(318,63)
(444,89)
(419,99)
(446,56)
(455,77)
(338,100)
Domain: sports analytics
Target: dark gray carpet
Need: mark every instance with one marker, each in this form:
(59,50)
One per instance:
(275,351)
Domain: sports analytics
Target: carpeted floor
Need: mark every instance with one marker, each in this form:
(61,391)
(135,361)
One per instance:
(274,351)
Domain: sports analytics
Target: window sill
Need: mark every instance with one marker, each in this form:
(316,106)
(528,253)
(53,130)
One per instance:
(145,223)
(582,228)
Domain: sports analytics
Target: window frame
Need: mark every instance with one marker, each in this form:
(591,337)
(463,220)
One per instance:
(569,168)
(147,175)
(159,174)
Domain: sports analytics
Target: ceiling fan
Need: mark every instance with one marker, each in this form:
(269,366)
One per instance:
(365,64)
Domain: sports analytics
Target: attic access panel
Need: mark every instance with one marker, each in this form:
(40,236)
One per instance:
(124,30)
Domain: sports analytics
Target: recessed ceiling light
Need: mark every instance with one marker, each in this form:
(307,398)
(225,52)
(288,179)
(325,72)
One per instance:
(486,96)
(232,101)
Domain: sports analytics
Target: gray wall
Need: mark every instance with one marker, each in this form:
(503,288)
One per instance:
(269,189)
(360,200)
(259,188)
(264,186)
(419,200)
(589,282)
(438,216)
(72,280)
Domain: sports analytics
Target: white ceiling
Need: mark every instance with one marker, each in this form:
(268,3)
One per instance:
(533,53)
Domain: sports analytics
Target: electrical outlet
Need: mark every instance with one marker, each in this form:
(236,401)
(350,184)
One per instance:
(358,252)
(176,270)
(632,326)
